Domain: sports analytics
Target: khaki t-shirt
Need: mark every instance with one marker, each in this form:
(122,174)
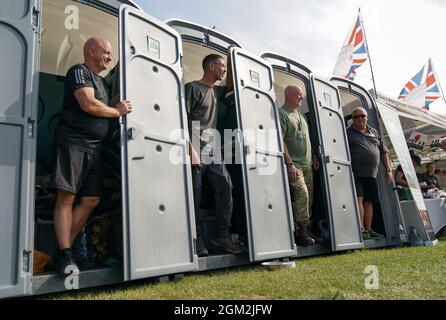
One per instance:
(296,136)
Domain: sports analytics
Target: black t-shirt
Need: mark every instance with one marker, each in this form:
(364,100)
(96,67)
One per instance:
(400,169)
(430,180)
(402,194)
(77,128)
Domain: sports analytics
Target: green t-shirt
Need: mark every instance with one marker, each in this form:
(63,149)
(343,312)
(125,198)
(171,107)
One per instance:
(296,136)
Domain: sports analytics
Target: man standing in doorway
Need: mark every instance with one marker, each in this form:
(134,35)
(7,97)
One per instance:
(300,162)
(202,97)
(366,149)
(82,127)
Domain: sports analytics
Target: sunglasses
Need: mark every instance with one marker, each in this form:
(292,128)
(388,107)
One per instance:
(360,116)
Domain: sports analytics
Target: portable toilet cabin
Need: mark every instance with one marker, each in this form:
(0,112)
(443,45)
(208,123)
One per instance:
(387,212)
(262,210)
(335,208)
(150,195)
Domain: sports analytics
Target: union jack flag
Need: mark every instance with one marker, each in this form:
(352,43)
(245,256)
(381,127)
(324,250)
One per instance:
(353,53)
(423,88)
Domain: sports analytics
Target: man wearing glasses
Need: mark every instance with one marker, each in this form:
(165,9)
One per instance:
(366,149)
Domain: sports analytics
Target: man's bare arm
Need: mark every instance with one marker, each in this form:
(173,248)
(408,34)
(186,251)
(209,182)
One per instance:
(89,104)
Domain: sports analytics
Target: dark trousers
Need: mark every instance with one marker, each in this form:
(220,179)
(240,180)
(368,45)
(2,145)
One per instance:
(219,178)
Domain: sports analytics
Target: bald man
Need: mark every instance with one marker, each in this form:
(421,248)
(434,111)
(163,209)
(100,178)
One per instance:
(300,162)
(83,125)
(366,149)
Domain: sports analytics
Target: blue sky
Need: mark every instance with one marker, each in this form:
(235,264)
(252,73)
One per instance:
(401,34)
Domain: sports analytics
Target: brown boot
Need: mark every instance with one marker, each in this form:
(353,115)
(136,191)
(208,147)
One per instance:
(303,238)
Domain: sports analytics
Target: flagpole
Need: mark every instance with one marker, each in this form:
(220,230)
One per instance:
(368,52)
(439,84)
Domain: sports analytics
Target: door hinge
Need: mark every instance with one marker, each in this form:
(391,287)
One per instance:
(26,261)
(35,19)
(205,38)
(131,133)
(30,128)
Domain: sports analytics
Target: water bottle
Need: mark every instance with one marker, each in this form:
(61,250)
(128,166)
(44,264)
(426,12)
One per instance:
(414,237)
(402,233)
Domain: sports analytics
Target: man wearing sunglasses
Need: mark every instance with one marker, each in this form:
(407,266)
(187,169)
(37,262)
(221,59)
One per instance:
(366,149)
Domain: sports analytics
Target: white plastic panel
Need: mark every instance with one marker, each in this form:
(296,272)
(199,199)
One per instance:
(159,227)
(19,27)
(268,206)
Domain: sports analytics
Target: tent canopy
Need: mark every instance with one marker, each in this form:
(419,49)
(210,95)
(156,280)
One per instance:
(415,119)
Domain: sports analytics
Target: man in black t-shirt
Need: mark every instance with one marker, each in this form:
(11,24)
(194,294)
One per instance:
(82,127)
(429,176)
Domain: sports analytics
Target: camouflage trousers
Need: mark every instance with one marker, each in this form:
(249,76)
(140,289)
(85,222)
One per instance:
(302,196)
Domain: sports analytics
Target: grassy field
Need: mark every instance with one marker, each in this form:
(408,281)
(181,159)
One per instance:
(404,273)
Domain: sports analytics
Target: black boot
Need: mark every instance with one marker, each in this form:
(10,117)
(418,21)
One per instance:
(65,264)
(303,237)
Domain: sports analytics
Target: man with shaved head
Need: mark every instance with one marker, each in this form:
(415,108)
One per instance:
(83,125)
(202,103)
(300,162)
(366,149)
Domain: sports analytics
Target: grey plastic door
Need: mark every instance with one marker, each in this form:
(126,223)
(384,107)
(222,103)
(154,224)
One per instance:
(19,36)
(159,227)
(267,201)
(343,212)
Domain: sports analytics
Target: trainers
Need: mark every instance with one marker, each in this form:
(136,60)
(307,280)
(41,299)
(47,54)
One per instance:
(365,234)
(374,234)
(202,252)
(227,245)
(65,264)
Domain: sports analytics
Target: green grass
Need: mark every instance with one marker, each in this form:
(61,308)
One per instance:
(404,273)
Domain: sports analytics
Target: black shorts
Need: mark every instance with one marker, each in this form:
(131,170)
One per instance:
(77,172)
(367,188)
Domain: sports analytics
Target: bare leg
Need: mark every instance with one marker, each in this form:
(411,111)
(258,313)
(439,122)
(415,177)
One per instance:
(63,218)
(368,214)
(361,210)
(81,213)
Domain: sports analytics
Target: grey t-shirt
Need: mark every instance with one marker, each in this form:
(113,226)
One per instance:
(201,108)
(366,150)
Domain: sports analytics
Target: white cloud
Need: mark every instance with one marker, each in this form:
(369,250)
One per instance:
(401,34)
